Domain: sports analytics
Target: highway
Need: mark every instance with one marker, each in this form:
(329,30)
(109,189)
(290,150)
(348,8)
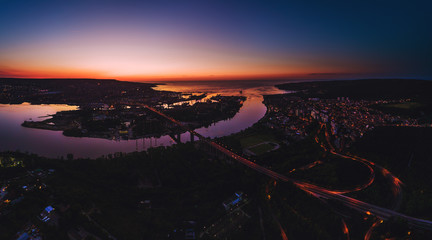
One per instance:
(396,182)
(369,209)
(332,150)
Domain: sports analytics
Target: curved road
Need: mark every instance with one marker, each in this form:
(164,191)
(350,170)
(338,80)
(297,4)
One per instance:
(316,191)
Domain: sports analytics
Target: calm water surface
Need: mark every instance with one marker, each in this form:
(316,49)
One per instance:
(53,144)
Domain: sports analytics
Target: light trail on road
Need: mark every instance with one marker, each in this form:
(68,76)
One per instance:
(396,183)
(374,225)
(345,229)
(380,212)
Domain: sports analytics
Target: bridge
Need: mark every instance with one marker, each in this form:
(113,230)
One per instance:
(369,209)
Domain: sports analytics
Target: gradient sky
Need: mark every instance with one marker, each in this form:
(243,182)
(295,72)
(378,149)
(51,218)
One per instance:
(206,39)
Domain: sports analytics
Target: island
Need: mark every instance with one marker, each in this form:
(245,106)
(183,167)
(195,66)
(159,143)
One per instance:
(114,109)
(321,164)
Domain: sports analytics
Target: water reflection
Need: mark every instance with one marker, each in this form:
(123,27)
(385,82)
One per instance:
(53,144)
(253,109)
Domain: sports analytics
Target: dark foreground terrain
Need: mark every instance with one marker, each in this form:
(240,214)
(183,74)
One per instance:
(192,191)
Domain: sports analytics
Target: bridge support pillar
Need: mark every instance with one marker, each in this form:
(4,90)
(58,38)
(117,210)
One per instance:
(192,137)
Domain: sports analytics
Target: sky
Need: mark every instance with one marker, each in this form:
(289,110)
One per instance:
(206,39)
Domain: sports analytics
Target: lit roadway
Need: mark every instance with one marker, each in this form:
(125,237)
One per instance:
(396,183)
(316,191)
(365,162)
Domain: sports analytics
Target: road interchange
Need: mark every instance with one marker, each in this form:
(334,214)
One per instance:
(320,192)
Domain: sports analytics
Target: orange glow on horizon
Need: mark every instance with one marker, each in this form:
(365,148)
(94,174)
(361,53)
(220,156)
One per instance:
(71,73)
(154,57)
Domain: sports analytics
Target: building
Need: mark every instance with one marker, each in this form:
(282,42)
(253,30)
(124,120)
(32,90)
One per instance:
(46,213)
(233,201)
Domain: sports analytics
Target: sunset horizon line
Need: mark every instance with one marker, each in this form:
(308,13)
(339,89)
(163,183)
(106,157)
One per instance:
(309,76)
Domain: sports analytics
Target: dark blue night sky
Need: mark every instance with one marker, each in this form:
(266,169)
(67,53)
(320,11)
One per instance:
(181,39)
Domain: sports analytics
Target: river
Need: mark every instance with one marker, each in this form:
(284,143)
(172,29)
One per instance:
(54,144)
